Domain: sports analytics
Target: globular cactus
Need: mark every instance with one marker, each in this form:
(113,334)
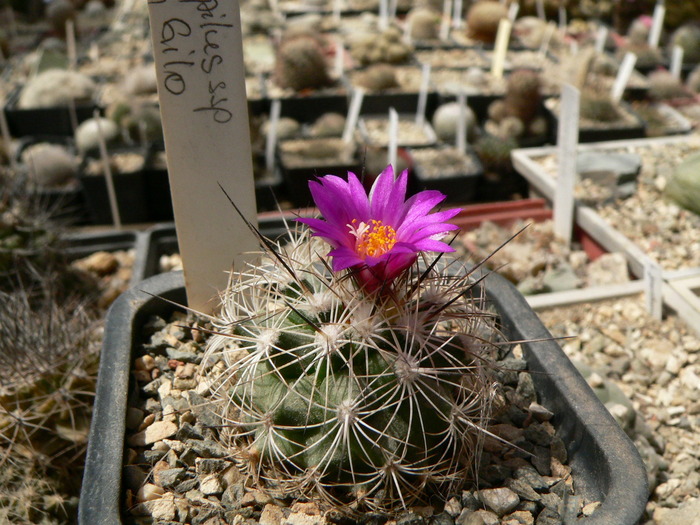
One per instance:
(687,37)
(367,400)
(647,56)
(663,85)
(446,119)
(483,19)
(387,47)
(494,152)
(87,135)
(598,106)
(424,23)
(50,165)
(300,64)
(523,97)
(56,87)
(328,125)
(378,77)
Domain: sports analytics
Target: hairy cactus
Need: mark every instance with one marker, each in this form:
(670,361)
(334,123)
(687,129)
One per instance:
(522,98)
(599,107)
(665,86)
(647,56)
(483,19)
(494,152)
(56,87)
(446,119)
(387,47)
(366,400)
(328,125)
(50,165)
(378,77)
(300,64)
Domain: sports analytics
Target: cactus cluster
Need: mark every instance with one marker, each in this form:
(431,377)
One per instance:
(519,114)
(387,47)
(301,64)
(598,106)
(56,87)
(377,77)
(366,400)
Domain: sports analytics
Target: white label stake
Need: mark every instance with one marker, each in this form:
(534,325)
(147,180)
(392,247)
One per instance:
(393,136)
(462,122)
(358,95)
(271,138)
(562,17)
(601,36)
(6,137)
(653,283)
(546,39)
(457,21)
(567,142)
(339,66)
(501,47)
(383,14)
(107,172)
(70,45)
(201,86)
(657,23)
(539,6)
(423,94)
(677,61)
(623,76)
(445,21)
(513,11)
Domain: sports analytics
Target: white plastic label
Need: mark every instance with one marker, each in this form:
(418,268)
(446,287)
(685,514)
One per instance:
(501,48)
(623,76)
(567,142)
(653,287)
(657,23)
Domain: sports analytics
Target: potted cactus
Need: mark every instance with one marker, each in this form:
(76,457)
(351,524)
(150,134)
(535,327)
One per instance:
(362,383)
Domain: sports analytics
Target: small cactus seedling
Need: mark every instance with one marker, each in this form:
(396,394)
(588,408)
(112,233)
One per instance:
(363,380)
(483,19)
(301,64)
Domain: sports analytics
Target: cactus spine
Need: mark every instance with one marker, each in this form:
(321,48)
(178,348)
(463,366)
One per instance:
(369,401)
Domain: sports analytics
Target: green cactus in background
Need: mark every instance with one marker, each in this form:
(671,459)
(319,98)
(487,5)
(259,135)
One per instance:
(597,106)
(687,37)
(369,401)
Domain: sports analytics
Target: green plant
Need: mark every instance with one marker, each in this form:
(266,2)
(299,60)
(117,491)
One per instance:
(494,152)
(598,107)
(387,47)
(300,63)
(664,86)
(367,387)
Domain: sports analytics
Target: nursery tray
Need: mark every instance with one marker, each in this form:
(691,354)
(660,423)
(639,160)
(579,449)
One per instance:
(606,466)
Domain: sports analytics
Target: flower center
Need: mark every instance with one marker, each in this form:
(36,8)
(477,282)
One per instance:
(373,239)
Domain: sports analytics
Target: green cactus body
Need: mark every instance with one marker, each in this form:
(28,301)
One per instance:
(366,401)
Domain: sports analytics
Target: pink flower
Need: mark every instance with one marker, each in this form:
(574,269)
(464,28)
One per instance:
(378,236)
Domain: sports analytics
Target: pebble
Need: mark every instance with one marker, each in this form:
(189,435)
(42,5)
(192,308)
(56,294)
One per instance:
(499,500)
(154,432)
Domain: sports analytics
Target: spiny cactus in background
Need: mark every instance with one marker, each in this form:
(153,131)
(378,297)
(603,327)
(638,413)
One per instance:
(494,153)
(424,23)
(598,106)
(519,114)
(58,12)
(364,380)
(687,37)
(388,47)
(301,64)
(56,87)
(328,125)
(378,77)
(647,56)
(483,19)
(49,353)
(663,85)
(50,165)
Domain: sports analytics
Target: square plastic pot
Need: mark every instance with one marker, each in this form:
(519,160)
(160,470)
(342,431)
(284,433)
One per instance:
(605,464)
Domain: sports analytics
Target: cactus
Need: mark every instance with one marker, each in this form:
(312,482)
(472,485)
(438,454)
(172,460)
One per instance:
(378,77)
(664,86)
(483,19)
(446,118)
(688,37)
(300,64)
(647,56)
(494,152)
(387,47)
(49,165)
(599,107)
(54,88)
(522,98)
(328,125)
(424,23)
(367,388)
(87,136)
(693,80)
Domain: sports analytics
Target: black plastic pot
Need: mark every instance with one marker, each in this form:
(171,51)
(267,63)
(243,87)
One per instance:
(44,121)
(605,463)
(458,187)
(130,191)
(624,131)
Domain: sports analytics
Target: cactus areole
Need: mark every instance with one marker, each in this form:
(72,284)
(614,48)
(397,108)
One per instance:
(364,380)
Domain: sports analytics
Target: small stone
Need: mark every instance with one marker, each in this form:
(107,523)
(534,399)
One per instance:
(453,507)
(539,412)
(519,517)
(211,484)
(590,508)
(188,431)
(443,518)
(147,421)
(155,432)
(548,516)
(145,362)
(169,478)
(149,492)
(271,515)
(210,466)
(100,263)
(526,388)
(523,490)
(301,518)
(499,500)
(207,448)
(410,518)
(530,476)
(185,371)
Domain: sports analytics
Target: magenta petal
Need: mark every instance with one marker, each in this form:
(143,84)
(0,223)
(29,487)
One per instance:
(432,245)
(343,258)
(394,209)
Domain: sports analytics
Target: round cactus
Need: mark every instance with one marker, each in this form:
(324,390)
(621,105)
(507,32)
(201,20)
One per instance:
(425,23)
(687,37)
(301,64)
(368,400)
(483,19)
(378,77)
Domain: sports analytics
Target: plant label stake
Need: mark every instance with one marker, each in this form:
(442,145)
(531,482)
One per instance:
(562,18)
(6,137)
(539,6)
(601,36)
(70,45)
(201,85)
(339,64)
(513,11)
(546,39)
(653,288)
(393,136)
(445,21)
(567,141)
(457,21)
(462,122)
(383,14)
(623,76)
(337,5)
(423,94)
(353,114)
(657,23)
(107,172)
(501,47)
(677,61)
(271,138)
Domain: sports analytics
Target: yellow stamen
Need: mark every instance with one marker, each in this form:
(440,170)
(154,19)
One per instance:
(373,239)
